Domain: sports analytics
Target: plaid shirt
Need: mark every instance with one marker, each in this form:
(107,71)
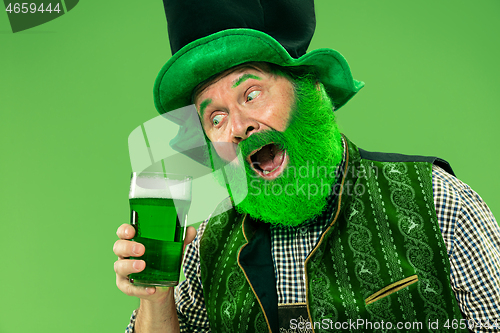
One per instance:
(469,230)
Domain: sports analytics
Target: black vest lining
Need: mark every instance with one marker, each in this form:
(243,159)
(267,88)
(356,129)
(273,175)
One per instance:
(257,262)
(391,157)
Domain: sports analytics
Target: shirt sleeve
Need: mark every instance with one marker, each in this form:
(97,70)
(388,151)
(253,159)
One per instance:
(472,238)
(131,324)
(189,297)
(189,293)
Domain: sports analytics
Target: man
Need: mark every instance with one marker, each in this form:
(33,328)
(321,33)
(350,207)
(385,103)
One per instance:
(327,230)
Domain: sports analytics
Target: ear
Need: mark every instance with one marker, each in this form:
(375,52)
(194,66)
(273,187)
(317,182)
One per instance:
(318,85)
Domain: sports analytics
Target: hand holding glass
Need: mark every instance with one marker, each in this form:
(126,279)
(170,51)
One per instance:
(159,203)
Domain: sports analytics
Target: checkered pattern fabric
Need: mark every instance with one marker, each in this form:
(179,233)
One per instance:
(470,232)
(130,327)
(472,238)
(189,294)
(290,247)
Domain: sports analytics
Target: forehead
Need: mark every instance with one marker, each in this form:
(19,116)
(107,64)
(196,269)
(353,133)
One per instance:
(255,68)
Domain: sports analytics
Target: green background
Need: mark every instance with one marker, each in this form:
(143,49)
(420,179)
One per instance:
(73,89)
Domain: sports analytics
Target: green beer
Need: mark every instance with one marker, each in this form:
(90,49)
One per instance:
(159,224)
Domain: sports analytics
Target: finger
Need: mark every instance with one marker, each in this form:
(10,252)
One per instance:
(125,248)
(128,288)
(125,267)
(125,231)
(190,235)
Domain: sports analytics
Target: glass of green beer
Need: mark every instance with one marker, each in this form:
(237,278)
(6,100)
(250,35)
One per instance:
(159,203)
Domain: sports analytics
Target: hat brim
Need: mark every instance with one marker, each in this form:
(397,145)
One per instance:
(207,56)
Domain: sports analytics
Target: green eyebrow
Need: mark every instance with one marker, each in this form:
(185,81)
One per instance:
(245,77)
(204,105)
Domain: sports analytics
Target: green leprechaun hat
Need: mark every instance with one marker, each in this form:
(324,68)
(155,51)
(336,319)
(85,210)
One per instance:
(210,36)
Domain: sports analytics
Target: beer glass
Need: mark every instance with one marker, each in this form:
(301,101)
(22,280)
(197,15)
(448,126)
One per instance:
(159,203)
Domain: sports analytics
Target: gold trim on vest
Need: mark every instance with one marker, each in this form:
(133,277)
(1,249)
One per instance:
(392,288)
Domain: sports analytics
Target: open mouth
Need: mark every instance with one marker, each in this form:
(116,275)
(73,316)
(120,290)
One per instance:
(268,161)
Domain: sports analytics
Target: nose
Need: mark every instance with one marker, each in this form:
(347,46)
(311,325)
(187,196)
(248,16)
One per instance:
(243,125)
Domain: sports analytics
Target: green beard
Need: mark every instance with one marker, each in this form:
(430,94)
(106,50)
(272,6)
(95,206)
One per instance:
(314,146)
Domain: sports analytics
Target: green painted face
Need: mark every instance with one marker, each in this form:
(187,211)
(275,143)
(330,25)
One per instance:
(314,146)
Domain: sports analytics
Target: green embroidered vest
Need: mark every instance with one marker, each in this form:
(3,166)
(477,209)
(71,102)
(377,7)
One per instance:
(382,258)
